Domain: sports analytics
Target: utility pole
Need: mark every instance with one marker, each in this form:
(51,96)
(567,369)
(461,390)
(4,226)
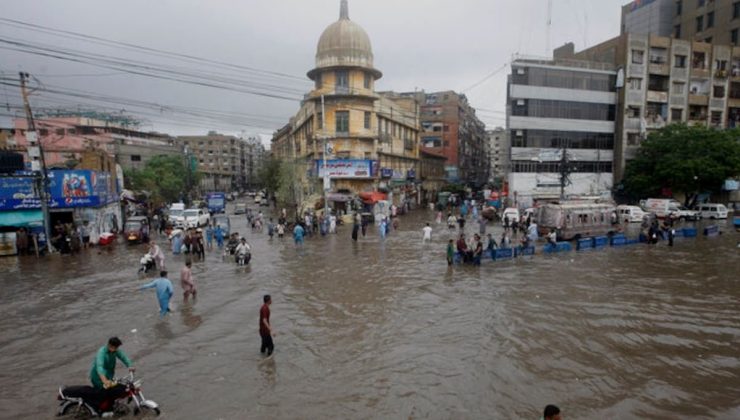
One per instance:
(564,173)
(327,179)
(38,163)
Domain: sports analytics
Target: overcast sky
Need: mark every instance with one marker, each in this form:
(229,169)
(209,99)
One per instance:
(418,44)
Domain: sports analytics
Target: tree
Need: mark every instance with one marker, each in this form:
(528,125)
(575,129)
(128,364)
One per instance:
(164,177)
(269,175)
(685,159)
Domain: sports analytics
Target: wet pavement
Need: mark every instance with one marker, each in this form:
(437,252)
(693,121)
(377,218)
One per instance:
(385,330)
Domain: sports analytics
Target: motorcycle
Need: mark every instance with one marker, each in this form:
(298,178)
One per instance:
(146,263)
(87,401)
(243,259)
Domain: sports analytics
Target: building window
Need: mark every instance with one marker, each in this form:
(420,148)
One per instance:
(733,37)
(679,7)
(677,31)
(638,56)
(708,40)
(633,112)
(716,118)
(633,139)
(320,120)
(699,3)
(367,81)
(736,10)
(699,60)
(342,123)
(719,91)
(135,158)
(342,78)
(676,114)
(710,20)
(679,61)
(368,115)
(678,88)
(319,81)
(699,23)
(635,83)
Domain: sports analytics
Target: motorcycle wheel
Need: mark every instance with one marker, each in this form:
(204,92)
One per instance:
(72,410)
(145,411)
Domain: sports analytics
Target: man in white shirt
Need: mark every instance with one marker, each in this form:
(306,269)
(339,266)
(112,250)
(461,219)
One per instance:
(427,233)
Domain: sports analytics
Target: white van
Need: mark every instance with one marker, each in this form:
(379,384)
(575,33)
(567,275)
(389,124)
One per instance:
(512,213)
(630,214)
(665,207)
(713,211)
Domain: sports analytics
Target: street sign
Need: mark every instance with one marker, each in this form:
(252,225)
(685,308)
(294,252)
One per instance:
(327,183)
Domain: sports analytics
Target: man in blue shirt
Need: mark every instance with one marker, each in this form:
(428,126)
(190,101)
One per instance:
(298,233)
(164,291)
(104,366)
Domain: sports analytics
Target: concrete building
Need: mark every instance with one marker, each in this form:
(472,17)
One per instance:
(558,108)
(65,137)
(450,126)
(710,21)
(649,17)
(225,163)
(668,80)
(372,138)
(499,152)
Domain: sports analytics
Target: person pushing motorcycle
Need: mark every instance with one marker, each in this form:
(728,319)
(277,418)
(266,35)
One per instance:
(104,366)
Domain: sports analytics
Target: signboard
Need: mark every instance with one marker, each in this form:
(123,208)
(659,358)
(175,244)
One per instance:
(68,189)
(386,173)
(346,168)
(411,174)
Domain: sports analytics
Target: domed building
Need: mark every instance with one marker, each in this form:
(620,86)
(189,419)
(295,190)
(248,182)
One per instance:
(372,138)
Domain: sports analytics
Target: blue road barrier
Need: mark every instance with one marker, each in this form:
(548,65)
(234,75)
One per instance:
(559,247)
(618,240)
(584,243)
(504,253)
(689,232)
(712,230)
(524,251)
(601,241)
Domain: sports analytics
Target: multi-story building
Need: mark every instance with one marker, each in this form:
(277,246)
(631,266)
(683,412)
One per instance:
(668,80)
(450,126)
(560,118)
(649,17)
(711,21)
(66,136)
(499,151)
(372,138)
(252,157)
(219,160)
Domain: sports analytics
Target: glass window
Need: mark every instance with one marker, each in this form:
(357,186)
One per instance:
(638,56)
(635,83)
(733,37)
(679,7)
(699,60)
(566,79)
(320,120)
(368,80)
(342,123)
(319,81)
(676,114)
(342,78)
(736,10)
(699,23)
(677,31)
(679,61)
(719,91)
(368,115)
(678,88)
(564,109)
(710,20)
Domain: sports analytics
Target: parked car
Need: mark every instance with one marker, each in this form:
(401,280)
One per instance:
(241,208)
(196,218)
(223,221)
(513,215)
(713,211)
(665,207)
(136,230)
(630,214)
(175,215)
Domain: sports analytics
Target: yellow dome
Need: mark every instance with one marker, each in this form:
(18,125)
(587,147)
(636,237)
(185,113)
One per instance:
(344,44)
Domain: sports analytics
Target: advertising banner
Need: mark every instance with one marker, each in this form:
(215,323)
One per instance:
(346,168)
(68,189)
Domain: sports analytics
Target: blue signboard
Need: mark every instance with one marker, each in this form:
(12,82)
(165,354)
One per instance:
(68,189)
(386,173)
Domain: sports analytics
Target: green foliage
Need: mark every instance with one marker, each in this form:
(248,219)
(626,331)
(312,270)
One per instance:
(286,185)
(269,175)
(685,159)
(164,177)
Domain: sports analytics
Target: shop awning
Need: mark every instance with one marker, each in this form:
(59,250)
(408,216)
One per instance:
(21,218)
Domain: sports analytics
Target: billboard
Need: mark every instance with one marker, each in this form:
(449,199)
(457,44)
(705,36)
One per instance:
(347,168)
(68,189)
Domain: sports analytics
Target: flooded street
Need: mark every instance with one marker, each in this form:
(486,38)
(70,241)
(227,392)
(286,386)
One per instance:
(386,330)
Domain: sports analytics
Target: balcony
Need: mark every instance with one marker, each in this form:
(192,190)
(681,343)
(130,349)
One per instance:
(657,96)
(698,99)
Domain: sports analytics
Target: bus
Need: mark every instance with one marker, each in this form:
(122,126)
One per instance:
(576,219)
(216,202)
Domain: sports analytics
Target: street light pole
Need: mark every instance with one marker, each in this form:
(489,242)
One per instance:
(35,150)
(327,180)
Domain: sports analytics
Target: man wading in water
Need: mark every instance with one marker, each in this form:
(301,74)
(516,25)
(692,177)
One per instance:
(265,327)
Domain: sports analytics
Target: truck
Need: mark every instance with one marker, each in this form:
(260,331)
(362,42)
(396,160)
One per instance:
(216,202)
(666,207)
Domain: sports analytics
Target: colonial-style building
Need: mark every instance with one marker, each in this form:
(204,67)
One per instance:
(372,138)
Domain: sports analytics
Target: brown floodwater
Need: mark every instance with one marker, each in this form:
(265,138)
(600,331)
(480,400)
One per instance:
(383,329)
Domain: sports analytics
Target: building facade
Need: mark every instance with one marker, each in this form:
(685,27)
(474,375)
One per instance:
(225,163)
(649,17)
(669,80)
(371,138)
(499,152)
(560,118)
(450,126)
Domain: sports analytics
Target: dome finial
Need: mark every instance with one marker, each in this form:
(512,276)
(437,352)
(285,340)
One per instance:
(344,10)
